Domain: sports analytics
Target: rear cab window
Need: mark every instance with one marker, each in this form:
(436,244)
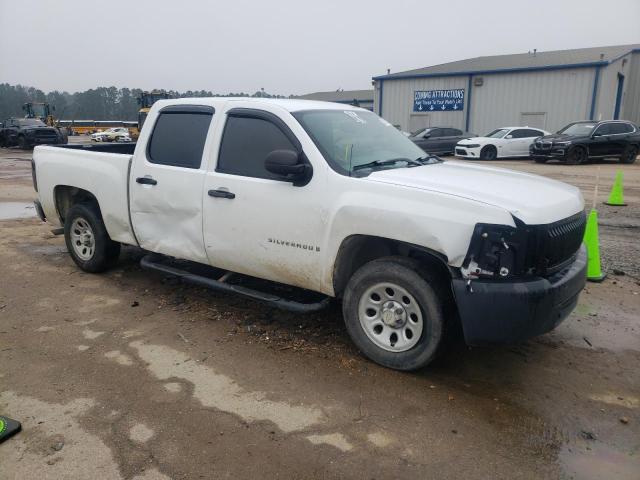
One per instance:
(179,135)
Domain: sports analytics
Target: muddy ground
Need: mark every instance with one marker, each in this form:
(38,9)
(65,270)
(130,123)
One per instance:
(131,375)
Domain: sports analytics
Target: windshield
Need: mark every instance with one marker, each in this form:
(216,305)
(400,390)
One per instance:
(499,133)
(578,129)
(349,138)
(29,122)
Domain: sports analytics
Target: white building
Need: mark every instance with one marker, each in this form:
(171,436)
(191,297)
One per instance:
(538,89)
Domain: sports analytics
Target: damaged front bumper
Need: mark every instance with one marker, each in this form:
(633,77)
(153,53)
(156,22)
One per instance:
(505,312)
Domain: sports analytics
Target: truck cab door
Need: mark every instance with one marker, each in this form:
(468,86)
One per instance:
(256,223)
(166,182)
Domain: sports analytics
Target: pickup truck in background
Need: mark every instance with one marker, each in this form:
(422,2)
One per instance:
(581,141)
(334,200)
(29,132)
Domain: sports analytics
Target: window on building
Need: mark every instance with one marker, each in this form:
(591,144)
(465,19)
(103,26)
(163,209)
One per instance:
(178,138)
(246,142)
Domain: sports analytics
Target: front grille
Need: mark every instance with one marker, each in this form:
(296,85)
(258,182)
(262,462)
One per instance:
(554,244)
(543,145)
(460,151)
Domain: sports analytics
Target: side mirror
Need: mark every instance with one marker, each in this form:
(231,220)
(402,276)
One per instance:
(508,137)
(287,164)
(426,135)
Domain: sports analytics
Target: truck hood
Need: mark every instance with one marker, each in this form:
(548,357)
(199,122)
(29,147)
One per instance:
(531,198)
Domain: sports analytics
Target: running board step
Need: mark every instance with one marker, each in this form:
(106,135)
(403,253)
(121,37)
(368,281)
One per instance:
(152,262)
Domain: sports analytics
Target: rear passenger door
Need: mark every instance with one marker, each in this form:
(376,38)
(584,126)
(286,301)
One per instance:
(166,183)
(254,222)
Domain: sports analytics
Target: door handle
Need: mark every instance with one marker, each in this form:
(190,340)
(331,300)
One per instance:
(146,181)
(222,194)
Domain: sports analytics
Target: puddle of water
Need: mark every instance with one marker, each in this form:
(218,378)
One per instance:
(11,210)
(598,463)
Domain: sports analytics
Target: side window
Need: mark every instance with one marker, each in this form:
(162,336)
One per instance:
(246,142)
(454,132)
(603,129)
(620,128)
(436,132)
(178,138)
(518,133)
(529,133)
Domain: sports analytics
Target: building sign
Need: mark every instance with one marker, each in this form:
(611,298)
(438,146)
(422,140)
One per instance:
(438,100)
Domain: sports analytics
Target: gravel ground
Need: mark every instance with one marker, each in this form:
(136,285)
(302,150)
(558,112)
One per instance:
(130,375)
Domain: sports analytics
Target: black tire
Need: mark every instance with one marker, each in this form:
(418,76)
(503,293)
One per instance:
(488,152)
(430,300)
(629,155)
(576,156)
(22,142)
(106,251)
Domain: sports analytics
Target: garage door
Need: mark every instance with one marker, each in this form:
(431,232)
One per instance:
(535,120)
(417,122)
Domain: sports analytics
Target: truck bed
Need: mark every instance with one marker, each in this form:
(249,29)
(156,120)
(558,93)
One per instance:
(102,170)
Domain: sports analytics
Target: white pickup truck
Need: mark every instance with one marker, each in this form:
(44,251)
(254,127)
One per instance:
(334,200)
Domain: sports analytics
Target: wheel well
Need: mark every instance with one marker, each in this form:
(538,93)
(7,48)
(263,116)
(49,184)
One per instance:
(357,250)
(67,196)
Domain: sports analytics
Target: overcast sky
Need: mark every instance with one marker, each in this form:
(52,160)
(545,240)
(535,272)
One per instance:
(285,46)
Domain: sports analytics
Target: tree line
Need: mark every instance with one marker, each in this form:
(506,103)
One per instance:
(101,103)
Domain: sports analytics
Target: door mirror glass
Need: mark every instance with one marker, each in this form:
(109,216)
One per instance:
(285,163)
(509,137)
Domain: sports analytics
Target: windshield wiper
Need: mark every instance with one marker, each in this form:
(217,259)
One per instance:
(383,163)
(428,159)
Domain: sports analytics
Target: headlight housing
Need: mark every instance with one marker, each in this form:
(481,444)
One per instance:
(471,145)
(494,252)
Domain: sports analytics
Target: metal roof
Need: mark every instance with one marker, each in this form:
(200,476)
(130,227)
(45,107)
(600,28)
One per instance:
(557,59)
(340,96)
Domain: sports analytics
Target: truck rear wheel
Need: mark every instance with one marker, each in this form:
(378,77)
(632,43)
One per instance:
(87,239)
(393,314)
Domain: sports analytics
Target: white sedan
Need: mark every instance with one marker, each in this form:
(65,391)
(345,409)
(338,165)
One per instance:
(110,135)
(501,143)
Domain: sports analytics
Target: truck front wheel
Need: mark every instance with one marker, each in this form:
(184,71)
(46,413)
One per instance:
(87,239)
(393,314)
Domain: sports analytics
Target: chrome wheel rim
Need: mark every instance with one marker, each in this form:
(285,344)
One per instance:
(390,317)
(82,239)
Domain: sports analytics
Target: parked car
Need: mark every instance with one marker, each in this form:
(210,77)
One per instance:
(502,142)
(28,132)
(439,140)
(580,141)
(110,135)
(334,200)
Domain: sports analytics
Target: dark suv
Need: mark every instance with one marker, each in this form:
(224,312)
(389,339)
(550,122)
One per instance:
(439,140)
(28,132)
(580,141)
